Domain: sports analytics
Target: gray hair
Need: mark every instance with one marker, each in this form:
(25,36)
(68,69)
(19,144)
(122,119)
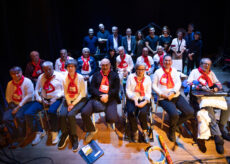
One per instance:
(71,61)
(63,51)
(121,48)
(85,49)
(140,64)
(47,63)
(160,47)
(114,28)
(15,69)
(203,59)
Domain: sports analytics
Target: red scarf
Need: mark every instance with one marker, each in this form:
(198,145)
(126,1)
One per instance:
(17,95)
(123,63)
(205,77)
(161,59)
(62,66)
(72,89)
(48,87)
(104,87)
(139,86)
(146,60)
(169,81)
(85,66)
(37,69)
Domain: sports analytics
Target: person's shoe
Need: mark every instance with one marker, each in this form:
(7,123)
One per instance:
(219,144)
(64,137)
(136,136)
(201,145)
(89,136)
(172,135)
(38,137)
(146,137)
(55,137)
(74,142)
(225,135)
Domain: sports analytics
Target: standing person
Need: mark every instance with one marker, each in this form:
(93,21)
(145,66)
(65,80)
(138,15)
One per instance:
(48,93)
(114,40)
(129,42)
(165,37)
(158,58)
(19,96)
(167,84)
(104,89)
(34,67)
(138,89)
(194,52)
(91,42)
(75,99)
(189,36)
(60,62)
(151,41)
(139,44)
(178,46)
(102,36)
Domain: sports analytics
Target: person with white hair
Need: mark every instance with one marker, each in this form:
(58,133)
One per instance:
(104,89)
(91,42)
(86,64)
(49,91)
(102,36)
(138,90)
(129,42)
(151,41)
(60,62)
(158,57)
(114,40)
(148,60)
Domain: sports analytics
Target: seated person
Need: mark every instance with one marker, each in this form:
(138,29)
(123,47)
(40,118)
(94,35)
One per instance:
(148,60)
(112,58)
(86,64)
(60,62)
(104,89)
(167,84)
(75,99)
(207,81)
(34,67)
(124,63)
(49,91)
(138,90)
(158,58)
(19,95)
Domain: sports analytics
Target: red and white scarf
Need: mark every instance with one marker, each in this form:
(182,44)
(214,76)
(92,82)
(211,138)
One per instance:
(17,95)
(204,78)
(37,69)
(48,86)
(123,63)
(166,79)
(62,69)
(85,66)
(72,89)
(146,60)
(104,87)
(139,86)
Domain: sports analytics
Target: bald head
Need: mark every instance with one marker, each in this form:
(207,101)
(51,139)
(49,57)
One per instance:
(105,66)
(105,61)
(34,55)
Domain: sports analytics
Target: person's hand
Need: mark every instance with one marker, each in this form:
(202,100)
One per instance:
(178,54)
(164,96)
(70,107)
(171,95)
(125,73)
(15,110)
(104,98)
(215,89)
(86,78)
(205,88)
(136,102)
(190,56)
(142,104)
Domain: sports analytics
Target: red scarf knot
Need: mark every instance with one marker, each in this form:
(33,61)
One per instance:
(139,86)
(37,69)
(72,89)
(146,60)
(85,66)
(104,87)
(123,63)
(48,87)
(166,79)
(204,78)
(17,95)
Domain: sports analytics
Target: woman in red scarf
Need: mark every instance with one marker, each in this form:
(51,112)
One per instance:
(138,90)
(75,99)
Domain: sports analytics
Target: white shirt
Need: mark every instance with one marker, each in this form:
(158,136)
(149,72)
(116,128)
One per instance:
(57,81)
(178,45)
(128,60)
(115,42)
(162,89)
(156,58)
(58,64)
(131,85)
(79,82)
(27,88)
(141,59)
(129,43)
(195,74)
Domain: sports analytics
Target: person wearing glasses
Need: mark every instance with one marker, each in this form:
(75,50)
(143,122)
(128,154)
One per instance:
(138,90)
(204,79)
(167,84)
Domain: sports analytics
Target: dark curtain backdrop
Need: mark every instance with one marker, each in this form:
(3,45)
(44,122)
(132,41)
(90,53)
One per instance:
(49,25)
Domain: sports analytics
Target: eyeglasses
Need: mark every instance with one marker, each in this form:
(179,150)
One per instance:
(206,64)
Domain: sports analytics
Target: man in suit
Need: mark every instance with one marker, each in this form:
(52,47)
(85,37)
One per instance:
(129,42)
(114,40)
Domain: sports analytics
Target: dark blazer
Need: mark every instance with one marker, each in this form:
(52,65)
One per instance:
(125,44)
(110,42)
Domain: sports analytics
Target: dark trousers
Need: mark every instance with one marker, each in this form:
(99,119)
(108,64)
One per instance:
(67,119)
(96,106)
(8,120)
(32,121)
(134,112)
(191,63)
(171,108)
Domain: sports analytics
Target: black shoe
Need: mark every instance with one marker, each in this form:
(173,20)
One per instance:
(172,135)
(64,137)
(225,135)
(201,145)
(146,137)
(219,144)
(74,142)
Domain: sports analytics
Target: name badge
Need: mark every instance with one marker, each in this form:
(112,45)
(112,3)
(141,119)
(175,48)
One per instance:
(104,87)
(164,80)
(125,64)
(72,89)
(39,72)
(202,81)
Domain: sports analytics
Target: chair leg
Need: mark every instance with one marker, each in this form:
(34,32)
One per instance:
(93,118)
